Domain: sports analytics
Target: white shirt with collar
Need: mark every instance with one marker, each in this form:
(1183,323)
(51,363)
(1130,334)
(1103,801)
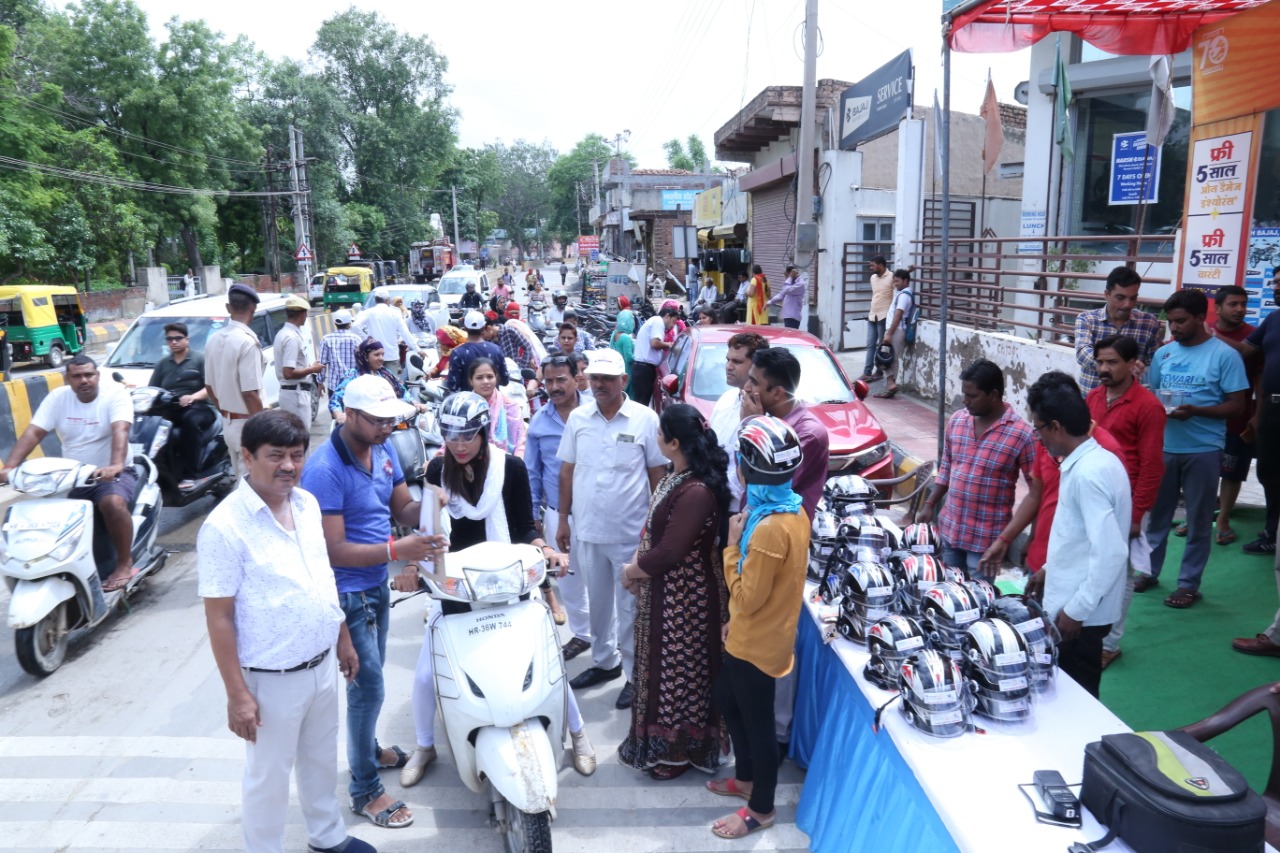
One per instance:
(611,460)
(286,600)
(1089,542)
(726,418)
(654,327)
(385,323)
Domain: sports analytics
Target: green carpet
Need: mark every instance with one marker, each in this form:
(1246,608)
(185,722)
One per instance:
(1178,665)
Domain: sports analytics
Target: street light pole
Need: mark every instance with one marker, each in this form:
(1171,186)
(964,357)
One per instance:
(806,231)
(457,240)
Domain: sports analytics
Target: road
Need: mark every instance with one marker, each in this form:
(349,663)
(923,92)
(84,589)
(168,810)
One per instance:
(126,747)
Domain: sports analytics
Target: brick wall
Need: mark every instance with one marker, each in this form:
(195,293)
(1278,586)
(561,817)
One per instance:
(264,284)
(121,304)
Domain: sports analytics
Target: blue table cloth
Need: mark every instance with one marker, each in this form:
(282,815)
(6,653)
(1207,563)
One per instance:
(859,794)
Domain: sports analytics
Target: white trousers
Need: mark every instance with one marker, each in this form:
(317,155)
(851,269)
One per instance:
(613,609)
(299,733)
(298,402)
(573,587)
(231,430)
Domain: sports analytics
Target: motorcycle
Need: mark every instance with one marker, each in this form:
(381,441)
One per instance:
(157,433)
(538,317)
(55,553)
(500,679)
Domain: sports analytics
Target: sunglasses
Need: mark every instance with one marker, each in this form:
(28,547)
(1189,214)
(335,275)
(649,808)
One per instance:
(556,360)
(172,338)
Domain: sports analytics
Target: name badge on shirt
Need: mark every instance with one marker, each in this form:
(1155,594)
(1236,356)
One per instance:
(626,439)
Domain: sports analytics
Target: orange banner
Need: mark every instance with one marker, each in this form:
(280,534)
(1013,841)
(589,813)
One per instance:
(1234,64)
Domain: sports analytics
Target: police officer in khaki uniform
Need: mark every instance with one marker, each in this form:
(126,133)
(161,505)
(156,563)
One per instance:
(293,370)
(233,366)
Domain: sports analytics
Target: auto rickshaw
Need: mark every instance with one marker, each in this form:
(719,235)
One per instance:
(345,287)
(42,322)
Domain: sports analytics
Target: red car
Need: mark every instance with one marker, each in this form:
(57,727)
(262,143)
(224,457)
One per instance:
(695,375)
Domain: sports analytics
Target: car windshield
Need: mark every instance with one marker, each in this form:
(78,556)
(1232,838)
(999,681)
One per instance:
(455,284)
(143,345)
(820,380)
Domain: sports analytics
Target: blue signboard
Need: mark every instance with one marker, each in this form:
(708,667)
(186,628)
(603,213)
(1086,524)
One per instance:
(875,104)
(679,199)
(1135,169)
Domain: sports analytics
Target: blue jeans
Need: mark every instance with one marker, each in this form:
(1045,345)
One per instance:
(368,614)
(875,334)
(1194,476)
(958,558)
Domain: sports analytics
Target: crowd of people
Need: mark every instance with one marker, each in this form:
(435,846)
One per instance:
(678,542)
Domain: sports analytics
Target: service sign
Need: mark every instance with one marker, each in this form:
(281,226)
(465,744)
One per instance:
(1259,277)
(874,105)
(1135,169)
(1214,240)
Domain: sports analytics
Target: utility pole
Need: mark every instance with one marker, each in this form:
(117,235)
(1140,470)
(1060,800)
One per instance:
(272,239)
(457,241)
(806,229)
(300,235)
(577,204)
(304,185)
(595,164)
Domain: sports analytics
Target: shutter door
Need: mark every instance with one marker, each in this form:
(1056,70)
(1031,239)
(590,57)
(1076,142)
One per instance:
(773,235)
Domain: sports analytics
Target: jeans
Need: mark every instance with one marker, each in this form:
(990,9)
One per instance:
(368,613)
(791,322)
(875,334)
(1194,476)
(746,698)
(958,558)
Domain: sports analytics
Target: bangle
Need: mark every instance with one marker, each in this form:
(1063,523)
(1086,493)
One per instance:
(391,548)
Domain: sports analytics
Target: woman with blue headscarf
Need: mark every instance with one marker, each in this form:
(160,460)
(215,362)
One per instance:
(764,569)
(624,338)
(370,358)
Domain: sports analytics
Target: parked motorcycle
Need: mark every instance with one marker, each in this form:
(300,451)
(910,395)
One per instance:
(500,679)
(55,553)
(157,432)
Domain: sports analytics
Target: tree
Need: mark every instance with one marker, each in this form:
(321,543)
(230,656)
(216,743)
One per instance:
(477,173)
(572,182)
(526,197)
(692,156)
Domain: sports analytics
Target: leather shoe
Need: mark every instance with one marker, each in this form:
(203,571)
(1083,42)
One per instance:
(624,698)
(1259,645)
(595,675)
(1144,583)
(574,647)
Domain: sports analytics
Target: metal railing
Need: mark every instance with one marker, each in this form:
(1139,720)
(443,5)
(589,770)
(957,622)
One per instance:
(1033,287)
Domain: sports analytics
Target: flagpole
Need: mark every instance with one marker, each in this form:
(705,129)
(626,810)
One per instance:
(944,267)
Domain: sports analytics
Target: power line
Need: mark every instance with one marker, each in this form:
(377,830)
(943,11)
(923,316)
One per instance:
(17,165)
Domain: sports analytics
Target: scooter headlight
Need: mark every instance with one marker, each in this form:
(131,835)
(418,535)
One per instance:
(39,483)
(161,439)
(502,584)
(144,399)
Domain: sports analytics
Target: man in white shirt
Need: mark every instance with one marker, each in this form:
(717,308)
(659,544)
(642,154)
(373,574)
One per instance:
(727,414)
(611,463)
(273,617)
(384,322)
(1083,578)
(650,345)
(294,368)
(92,423)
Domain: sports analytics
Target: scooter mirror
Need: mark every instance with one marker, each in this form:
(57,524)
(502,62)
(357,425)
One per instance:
(416,361)
(118,376)
(527,373)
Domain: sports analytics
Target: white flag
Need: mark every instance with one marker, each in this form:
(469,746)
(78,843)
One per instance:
(1160,113)
(937,136)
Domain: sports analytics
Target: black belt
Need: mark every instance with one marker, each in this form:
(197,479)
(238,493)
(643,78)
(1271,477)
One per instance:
(306,387)
(1273,398)
(311,664)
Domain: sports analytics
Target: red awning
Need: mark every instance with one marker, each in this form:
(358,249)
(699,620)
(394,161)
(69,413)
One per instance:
(1134,27)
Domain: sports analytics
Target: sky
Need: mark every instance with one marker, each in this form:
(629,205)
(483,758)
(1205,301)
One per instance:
(556,71)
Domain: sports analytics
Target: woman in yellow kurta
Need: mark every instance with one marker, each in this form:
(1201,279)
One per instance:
(758,298)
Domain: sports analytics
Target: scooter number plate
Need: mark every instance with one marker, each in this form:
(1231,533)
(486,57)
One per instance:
(22,526)
(485,624)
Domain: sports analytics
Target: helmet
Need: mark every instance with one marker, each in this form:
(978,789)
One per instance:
(868,596)
(997,660)
(983,593)
(768,451)
(884,356)
(891,640)
(916,573)
(822,541)
(463,414)
(935,697)
(954,574)
(559,297)
(947,610)
(920,539)
(852,494)
(1029,619)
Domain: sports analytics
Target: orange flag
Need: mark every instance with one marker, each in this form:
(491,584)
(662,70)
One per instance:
(994,138)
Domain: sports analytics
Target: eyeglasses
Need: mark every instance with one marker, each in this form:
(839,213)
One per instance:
(1037,429)
(172,338)
(380,423)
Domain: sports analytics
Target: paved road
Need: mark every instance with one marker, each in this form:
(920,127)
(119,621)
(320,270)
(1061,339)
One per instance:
(126,748)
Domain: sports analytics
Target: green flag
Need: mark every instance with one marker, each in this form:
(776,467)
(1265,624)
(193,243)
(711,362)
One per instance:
(1062,99)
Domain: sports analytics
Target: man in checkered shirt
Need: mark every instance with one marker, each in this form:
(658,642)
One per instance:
(1117,316)
(986,447)
(338,350)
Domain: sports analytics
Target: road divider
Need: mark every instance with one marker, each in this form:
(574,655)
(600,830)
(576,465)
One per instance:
(18,399)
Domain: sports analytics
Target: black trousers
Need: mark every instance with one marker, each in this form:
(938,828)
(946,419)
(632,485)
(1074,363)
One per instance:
(1081,658)
(196,418)
(745,696)
(643,375)
(791,322)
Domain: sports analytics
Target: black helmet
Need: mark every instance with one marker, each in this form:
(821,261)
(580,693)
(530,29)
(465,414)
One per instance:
(935,696)
(868,597)
(947,611)
(462,415)
(884,356)
(891,640)
(851,493)
(916,574)
(996,658)
(921,538)
(1029,619)
(822,541)
(768,451)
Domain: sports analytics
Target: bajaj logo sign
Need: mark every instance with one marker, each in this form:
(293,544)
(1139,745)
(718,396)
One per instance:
(873,106)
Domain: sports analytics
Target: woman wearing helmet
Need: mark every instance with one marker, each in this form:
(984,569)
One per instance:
(764,568)
(486,493)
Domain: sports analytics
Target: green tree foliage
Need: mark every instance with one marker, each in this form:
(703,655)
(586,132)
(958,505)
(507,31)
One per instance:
(478,175)
(690,156)
(526,199)
(572,181)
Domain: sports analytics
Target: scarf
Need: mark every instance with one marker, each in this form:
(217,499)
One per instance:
(491,507)
(626,324)
(499,429)
(763,501)
(367,346)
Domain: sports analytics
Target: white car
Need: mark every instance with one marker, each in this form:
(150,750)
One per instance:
(315,289)
(142,345)
(454,283)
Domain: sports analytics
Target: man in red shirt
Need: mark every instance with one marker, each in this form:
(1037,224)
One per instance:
(1136,419)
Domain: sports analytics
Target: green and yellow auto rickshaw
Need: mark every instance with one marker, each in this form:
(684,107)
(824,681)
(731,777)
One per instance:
(42,322)
(346,286)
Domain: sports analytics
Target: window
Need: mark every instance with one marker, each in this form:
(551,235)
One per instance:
(1099,119)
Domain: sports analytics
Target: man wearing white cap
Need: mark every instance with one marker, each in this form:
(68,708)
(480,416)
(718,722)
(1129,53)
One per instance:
(293,371)
(356,479)
(475,347)
(384,322)
(611,464)
(338,350)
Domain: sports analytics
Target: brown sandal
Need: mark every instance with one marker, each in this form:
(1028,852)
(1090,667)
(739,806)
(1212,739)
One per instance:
(1182,599)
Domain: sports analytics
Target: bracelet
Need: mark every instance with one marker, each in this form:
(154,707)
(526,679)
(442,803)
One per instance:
(1001,538)
(391,548)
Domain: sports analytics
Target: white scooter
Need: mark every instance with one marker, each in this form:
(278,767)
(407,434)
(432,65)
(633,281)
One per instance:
(54,557)
(501,683)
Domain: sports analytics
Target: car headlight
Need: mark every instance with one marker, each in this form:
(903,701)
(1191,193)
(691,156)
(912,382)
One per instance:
(870,456)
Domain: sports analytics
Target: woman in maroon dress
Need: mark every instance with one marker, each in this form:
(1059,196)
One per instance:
(681,605)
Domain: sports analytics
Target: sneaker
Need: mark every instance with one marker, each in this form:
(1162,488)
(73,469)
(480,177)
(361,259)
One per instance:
(1264,544)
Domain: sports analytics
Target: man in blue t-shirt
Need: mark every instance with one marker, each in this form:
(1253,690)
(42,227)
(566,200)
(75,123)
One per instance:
(1202,383)
(356,478)
(475,347)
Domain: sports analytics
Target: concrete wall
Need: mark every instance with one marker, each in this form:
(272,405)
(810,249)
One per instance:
(1023,362)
